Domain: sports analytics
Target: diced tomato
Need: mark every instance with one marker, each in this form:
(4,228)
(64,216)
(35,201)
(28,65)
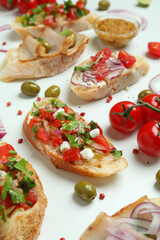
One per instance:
(4,152)
(50,7)
(32,197)
(102,141)
(154,48)
(56,123)
(126,59)
(57,140)
(106,55)
(60,9)
(34,121)
(71,15)
(45,114)
(65,108)
(73,154)
(46,1)
(7,202)
(43,134)
(80,5)
(49,20)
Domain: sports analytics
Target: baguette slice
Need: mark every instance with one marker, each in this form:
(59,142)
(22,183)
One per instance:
(98,229)
(25,224)
(83,23)
(88,90)
(30,60)
(102,166)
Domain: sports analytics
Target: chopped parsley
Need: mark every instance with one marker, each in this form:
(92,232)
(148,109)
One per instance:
(72,140)
(3,214)
(35,111)
(116,153)
(56,103)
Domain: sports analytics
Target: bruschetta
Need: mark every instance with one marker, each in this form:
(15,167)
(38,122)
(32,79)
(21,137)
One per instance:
(49,54)
(137,221)
(71,143)
(107,73)
(22,199)
(56,16)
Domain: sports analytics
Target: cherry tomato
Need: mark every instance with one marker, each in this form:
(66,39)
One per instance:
(102,141)
(71,15)
(117,120)
(46,1)
(149,138)
(49,20)
(60,9)
(126,59)
(106,54)
(147,113)
(8,4)
(154,48)
(50,7)
(57,140)
(24,5)
(80,5)
(34,121)
(73,154)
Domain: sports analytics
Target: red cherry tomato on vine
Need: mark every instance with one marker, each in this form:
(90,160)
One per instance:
(80,5)
(126,59)
(117,120)
(149,138)
(46,1)
(154,48)
(71,15)
(9,4)
(49,20)
(147,113)
(24,5)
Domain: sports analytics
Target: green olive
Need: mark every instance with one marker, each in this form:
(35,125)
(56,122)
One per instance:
(103,5)
(30,88)
(158,176)
(144,93)
(74,36)
(52,91)
(84,2)
(47,45)
(85,191)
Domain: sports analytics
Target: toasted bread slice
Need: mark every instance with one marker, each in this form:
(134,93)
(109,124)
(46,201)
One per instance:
(31,61)
(89,90)
(101,164)
(81,24)
(98,229)
(25,224)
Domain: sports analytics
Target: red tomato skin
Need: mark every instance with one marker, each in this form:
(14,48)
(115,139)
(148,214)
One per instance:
(43,134)
(60,9)
(24,6)
(102,141)
(148,139)
(50,7)
(34,121)
(57,140)
(80,5)
(49,20)
(73,154)
(46,1)
(126,59)
(4,3)
(147,113)
(116,121)
(154,48)
(4,153)
(7,202)
(71,15)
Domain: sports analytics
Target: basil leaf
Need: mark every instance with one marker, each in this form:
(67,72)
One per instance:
(16,196)
(3,214)
(116,153)
(11,152)
(93,125)
(72,140)
(65,33)
(7,186)
(35,111)
(10,165)
(56,103)
(21,165)
(79,13)
(69,126)
(83,68)
(71,116)
(61,115)
(12,159)
(67,5)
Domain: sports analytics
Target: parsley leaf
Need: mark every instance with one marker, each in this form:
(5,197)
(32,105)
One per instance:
(93,125)
(21,165)
(3,214)
(70,126)
(27,183)
(56,103)
(16,196)
(71,116)
(11,152)
(61,115)
(35,111)
(82,128)
(67,5)
(35,130)
(10,165)
(116,153)
(12,159)
(72,140)
(7,186)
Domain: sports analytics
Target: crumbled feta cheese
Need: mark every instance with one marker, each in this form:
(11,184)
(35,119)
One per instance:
(29,118)
(65,146)
(94,133)
(2,174)
(59,110)
(87,154)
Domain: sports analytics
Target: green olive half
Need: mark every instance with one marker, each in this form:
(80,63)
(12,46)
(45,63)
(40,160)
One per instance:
(103,4)
(74,36)
(144,93)
(47,45)
(158,176)
(85,191)
(30,88)
(52,91)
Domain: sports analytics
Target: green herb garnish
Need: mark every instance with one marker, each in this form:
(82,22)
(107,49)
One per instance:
(16,196)
(3,214)
(116,153)
(35,111)
(56,103)
(72,140)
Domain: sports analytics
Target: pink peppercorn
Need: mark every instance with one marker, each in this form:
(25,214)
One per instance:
(20,140)
(38,99)
(4,43)
(135,151)
(19,112)
(101,195)
(109,99)
(8,104)
(62,238)
(82,114)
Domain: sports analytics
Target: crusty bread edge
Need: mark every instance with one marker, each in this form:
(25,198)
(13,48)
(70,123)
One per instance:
(26,224)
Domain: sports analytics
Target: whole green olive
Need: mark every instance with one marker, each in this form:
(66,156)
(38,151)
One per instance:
(85,191)
(84,2)
(47,45)
(52,91)
(158,176)
(103,5)
(74,36)
(30,88)
(144,93)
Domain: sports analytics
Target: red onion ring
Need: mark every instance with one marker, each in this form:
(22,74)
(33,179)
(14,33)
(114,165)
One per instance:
(120,234)
(125,13)
(4,51)
(2,130)
(153,84)
(5,27)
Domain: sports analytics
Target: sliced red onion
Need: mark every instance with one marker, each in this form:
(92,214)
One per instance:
(5,27)
(154,227)
(97,146)
(154,84)
(2,130)
(142,206)
(88,76)
(76,82)
(125,13)
(4,51)
(120,234)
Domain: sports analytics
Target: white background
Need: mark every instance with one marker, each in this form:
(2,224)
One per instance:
(66,215)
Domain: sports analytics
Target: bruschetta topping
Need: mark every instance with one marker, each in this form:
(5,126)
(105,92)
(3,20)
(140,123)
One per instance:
(68,132)
(16,183)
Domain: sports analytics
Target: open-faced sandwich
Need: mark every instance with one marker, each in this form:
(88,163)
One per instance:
(137,221)
(49,54)
(70,143)
(22,200)
(106,73)
(57,16)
